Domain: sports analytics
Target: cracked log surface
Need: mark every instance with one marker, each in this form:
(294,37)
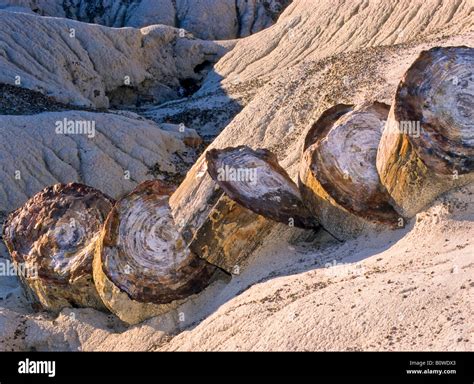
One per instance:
(214,226)
(142,266)
(52,239)
(338,174)
(417,163)
(254,179)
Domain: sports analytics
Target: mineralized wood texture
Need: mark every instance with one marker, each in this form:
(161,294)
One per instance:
(338,175)
(215,227)
(437,93)
(142,266)
(229,235)
(254,179)
(52,239)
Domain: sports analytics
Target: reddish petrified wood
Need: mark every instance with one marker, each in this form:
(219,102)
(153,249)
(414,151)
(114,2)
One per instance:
(52,239)
(436,96)
(142,253)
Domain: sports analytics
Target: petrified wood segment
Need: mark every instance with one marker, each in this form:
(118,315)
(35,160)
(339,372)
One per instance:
(216,228)
(254,179)
(325,123)
(338,175)
(427,145)
(52,239)
(229,235)
(142,265)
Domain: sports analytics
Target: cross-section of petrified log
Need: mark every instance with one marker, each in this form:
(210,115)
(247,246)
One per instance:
(142,266)
(338,176)
(254,179)
(427,145)
(52,239)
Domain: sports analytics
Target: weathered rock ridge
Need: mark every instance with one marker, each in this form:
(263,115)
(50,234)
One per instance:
(94,66)
(206,19)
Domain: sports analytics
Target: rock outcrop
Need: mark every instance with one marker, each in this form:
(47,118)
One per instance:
(94,66)
(110,152)
(206,19)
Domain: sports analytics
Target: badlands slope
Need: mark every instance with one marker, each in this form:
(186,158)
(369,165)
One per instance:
(206,19)
(409,289)
(95,66)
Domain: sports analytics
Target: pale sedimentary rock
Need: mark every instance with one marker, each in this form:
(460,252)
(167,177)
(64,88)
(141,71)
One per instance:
(338,176)
(142,266)
(110,152)
(188,136)
(427,146)
(52,239)
(95,66)
(206,19)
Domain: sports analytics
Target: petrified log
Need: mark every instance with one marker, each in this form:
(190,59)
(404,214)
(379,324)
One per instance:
(229,235)
(51,240)
(427,146)
(338,176)
(142,266)
(216,228)
(254,179)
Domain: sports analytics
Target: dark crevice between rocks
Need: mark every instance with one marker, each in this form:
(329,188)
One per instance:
(238,18)
(195,117)
(204,67)
(189,86)
(177,21)
(150,93)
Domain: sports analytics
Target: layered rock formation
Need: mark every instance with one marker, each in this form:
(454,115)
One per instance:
(206,19)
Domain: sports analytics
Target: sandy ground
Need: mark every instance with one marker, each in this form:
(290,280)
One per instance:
(409,289)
